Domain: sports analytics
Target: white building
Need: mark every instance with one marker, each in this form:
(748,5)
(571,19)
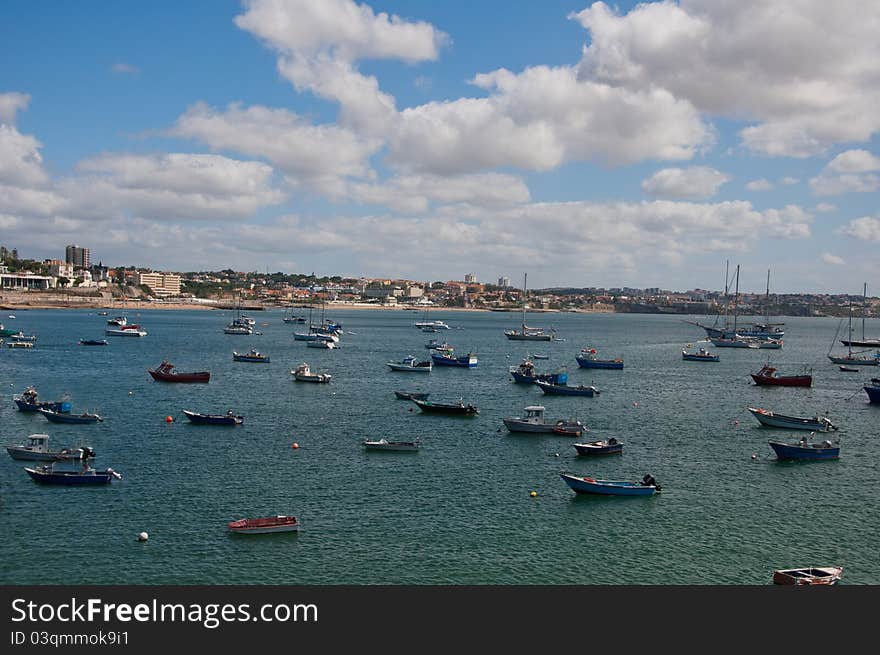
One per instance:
(161,284)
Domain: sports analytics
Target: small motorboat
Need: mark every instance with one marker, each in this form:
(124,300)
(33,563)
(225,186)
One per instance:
(253,356)
(29,401)
(607,447)
(36,448)
(587,359)
(116,320)
(411,395)
(229,418)
(646,487)
(303,373)
(776,420)
(439,346)
(165,373)
(803,450)
(22,337)
(848,369)
(540,356)
(565,390)
(811,575)
(395,446)
(20,344)
(769,376)
(569,428)
(126,331)
(60,417)
(411,365)
(322,343)
(454,409)
(264,525)
(93,342)
(533,420)
(449,359)
(702,355)
(525,373)
(85,476)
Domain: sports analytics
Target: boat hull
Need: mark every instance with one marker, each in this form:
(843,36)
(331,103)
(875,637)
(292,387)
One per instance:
(599,448)
(583,485)
(447,409)
(264,525)
(125,333)
(786,451)
(783,381)
(825,575)
(464,361)
(250,358)
(23,454)
(873,394)
(56,417)
(70,478)
(599,363)
(691,357)
(406,395)
(392,446)
(565,390)
(60,407)
(410,369)
(774,420)
(213,419)
(185,378)
(519,336)
(855,361)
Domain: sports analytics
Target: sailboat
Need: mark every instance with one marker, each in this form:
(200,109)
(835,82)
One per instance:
(850,358)
(239,325)
(317,332)
(863,342)
(527,333)
(736,339)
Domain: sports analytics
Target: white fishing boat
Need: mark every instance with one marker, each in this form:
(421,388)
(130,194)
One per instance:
(126,331)
(533,420)
(397,446)
(777,420)
(303,373)
(36,449)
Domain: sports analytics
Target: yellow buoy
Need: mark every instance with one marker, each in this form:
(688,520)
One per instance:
(534,494)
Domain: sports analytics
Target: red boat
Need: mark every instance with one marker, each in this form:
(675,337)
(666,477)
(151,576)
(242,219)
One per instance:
(817,575)
(165,373)
(265,525)
(768,375)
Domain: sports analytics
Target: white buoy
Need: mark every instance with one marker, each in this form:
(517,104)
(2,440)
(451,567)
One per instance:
(143,536)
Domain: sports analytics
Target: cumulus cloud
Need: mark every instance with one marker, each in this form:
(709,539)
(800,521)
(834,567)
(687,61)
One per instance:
(834,260)
(10,104)
(20,160)
(695,182)
(125,69)
(850,171)
(320,156)
(866,228)
(759,185)
(791,69)
(825,208)
(788,181)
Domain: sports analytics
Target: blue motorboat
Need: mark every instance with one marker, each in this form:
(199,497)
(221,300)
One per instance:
(84,476)
(873,390)
(525,373)
(587,359)
(803,450)
(582,485)
(29,401)
(565,390)
(463,361)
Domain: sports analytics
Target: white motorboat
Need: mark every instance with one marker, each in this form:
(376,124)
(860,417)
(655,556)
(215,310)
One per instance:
(318,343)
(397,446)
(303,373)
(126,331)
(36,448)
(777,420)
(533,420)
(410,364)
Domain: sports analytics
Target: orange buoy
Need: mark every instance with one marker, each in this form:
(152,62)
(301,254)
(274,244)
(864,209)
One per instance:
(295,445)
(169,419)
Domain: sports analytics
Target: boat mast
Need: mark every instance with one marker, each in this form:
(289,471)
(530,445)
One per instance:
(736,301)
(525,280)
(864,307)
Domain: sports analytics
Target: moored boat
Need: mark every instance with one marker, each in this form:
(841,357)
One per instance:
(454,409)
(533,420)
(36,448)
(85,476)
(527,333)
(93,342)
(583,485)
(463,361)
(393,446)
(29,401)
(803,450)
(165,373)
(303,373)
(587,359)
(265,525)
(525,373)
(20,344)
(320,343)
(59,417)
(847,369)
(605,447)
(702,355)
(809,575)
(565,390)
(411,395)
(229,418)
(117,320)
(873,390)
(777,420)
(126,331)
(253,355)
(433,344)
(410,364)
(769,376)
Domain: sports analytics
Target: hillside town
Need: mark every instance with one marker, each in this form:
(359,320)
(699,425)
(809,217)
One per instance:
(77,279)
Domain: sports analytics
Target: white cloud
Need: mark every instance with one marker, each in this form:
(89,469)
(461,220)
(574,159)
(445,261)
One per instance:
(20,160)
(695,182)
(10,104)
(825,208)
(759,185)
(853,171)
(317,156)
(834,260)
(125,69)
(788,181)
(790,67)
(866,228)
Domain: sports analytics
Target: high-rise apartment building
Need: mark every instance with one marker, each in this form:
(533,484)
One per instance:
(77,256)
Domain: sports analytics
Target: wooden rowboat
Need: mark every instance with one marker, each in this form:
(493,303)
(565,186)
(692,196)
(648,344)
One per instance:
(265,525)
(815,575)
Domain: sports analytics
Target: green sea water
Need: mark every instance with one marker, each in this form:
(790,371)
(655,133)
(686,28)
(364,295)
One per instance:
(460,510)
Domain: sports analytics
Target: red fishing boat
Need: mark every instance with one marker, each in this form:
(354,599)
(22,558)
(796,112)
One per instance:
(165,373)
(768,375)
(815,575)
(264,525)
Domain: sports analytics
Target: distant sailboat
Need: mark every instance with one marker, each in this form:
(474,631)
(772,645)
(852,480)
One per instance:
(527,333)
(863,342)
(850,358)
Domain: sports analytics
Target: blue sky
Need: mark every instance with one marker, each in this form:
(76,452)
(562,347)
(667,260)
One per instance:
(588,144)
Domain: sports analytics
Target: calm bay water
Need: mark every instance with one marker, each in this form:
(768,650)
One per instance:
(457,512)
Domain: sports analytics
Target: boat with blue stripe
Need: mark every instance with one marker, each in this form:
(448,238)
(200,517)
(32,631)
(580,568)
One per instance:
(462,361)
(803,450)
(525,373)
(583,485)
(587,359)
(565,390)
